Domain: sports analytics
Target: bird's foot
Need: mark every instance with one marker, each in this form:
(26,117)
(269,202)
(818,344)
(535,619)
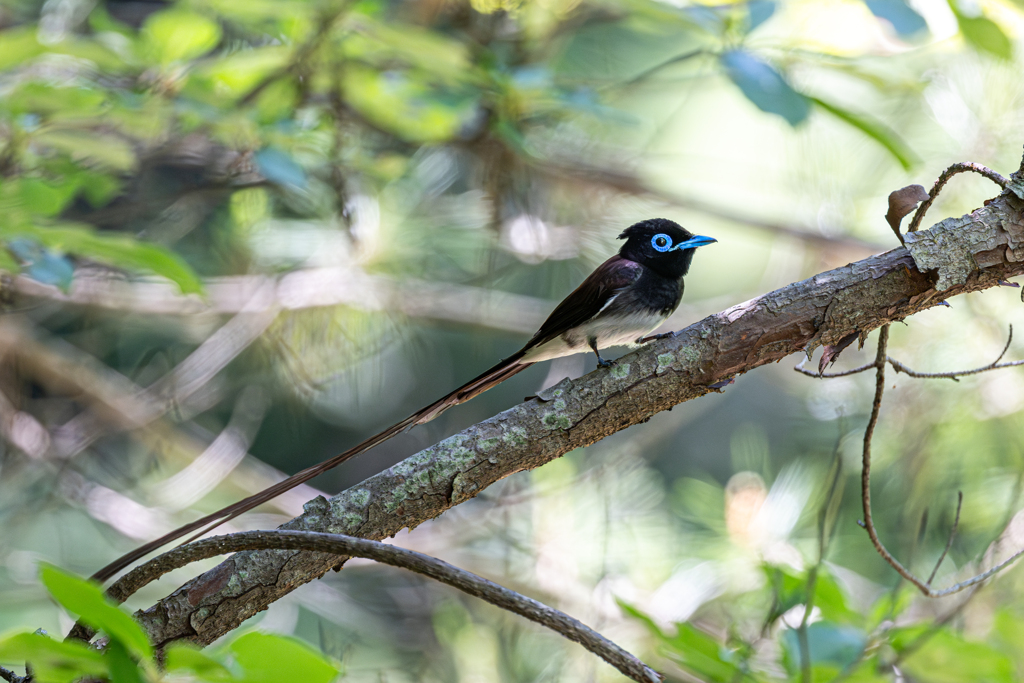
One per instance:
(602,363)
(655,337)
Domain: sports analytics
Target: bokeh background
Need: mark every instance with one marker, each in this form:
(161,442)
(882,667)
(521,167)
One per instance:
(238,238)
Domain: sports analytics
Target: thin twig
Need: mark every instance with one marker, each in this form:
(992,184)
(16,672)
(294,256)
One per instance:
(439,570)
(994,365)
(944,178)
(898,366)
(865,481)
(952,535)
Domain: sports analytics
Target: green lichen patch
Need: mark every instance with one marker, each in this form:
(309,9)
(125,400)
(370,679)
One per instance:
(665,360)
(484,445)
(515,436)
(620,371)
(360,497)
(555,420)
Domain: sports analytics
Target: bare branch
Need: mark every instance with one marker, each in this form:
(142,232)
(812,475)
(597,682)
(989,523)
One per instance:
(347,546)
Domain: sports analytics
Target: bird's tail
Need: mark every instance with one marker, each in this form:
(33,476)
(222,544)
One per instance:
(496,375)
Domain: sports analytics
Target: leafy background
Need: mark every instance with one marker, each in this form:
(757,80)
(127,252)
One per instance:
(387,197)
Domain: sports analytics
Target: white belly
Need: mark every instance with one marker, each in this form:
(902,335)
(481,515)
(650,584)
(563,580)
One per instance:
(609,330)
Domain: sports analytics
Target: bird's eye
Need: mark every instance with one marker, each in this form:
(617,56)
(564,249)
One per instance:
(661,242)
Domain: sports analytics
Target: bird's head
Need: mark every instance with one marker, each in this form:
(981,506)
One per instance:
(662,245)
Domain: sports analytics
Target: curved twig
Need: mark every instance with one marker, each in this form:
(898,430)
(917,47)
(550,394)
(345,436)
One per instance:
(439,570)
(944,178)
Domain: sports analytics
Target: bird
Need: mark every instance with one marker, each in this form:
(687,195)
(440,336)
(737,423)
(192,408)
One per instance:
(625,299)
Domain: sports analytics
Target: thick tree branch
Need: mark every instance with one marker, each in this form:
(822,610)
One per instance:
(971,253)
(347,546)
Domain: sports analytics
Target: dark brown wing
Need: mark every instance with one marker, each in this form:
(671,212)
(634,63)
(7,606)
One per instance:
(587,300)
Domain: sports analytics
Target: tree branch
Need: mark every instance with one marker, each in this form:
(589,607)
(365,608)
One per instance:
(347,546)
(824,309)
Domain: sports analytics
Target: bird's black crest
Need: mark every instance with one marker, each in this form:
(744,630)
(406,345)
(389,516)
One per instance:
(652,226)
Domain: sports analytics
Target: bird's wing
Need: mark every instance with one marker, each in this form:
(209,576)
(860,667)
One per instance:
(587,300)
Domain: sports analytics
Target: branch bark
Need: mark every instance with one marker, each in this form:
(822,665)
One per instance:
(971,253)
(436,569)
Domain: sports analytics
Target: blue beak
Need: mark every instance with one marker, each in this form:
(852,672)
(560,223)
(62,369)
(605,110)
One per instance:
(694,242)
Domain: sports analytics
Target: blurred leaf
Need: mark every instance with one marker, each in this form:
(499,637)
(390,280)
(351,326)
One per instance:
(874,129)
(178,35)
(831,600)
(983,34)
(51,269)
(903,18)
(701,653)
(40,197)
(7,261)
(945,657)
(18,45)
(186,658)
(86,599)
(691,648)
(827,643)
(52,661)
(49,100)
(237,74)
(264,657)
(122,668)
(106,151)
(117,250)
(404,105)
(890,605)
(765,87)
(758,12)
(384,42)
(41,265)
(279,168)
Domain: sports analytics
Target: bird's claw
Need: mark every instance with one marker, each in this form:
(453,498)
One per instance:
(602,363)
(655,337)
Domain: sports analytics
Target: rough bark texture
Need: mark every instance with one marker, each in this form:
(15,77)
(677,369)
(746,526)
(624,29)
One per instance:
(969,253)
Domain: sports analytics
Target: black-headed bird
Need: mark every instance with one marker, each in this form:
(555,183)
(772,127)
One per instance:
(625,298)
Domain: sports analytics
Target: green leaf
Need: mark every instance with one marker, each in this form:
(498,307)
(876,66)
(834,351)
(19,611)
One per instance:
(40,197)
(122,667)
(873,129)
(52,661)
(405,105)
(983,33)
(106,151)
(830,599)
(86,599)
(117,250)
(18,45)
(947,658)
(7,262)
(189,659)
(178,35)
(264,658)
(764,86)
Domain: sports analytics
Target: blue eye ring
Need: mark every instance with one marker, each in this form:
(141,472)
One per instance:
(661,242)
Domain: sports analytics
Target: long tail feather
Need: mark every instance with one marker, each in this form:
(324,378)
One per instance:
(496,375)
